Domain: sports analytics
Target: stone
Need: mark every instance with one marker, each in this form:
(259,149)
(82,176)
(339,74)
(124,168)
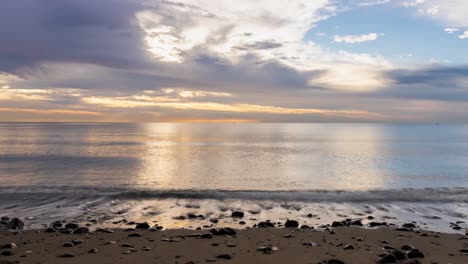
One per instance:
(15,223)
(93,251)
(68,244)
(409,225)
(407,247)
(144,225)
(50,230)
(67,255)
(265,224)
(127,245)
(77,241)
(206,236)
(399,255)
(387,259)
(9,246)
(134,235)
(334,261)
(223,231)
(348,247)
(81,230)
(291,224)
(71,226)
(374,224)
(337,224)
(65,231)
(7,253)
(415,253)
(237,214)
(224,256)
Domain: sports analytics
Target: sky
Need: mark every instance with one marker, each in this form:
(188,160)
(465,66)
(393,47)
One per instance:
(402,61)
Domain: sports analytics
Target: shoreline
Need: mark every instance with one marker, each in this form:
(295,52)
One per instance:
(339,242)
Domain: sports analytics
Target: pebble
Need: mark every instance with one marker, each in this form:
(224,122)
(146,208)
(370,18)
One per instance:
(291,224)
(237,214)
(67,255)
(93,251)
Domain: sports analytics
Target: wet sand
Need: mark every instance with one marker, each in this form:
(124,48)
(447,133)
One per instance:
(344,244)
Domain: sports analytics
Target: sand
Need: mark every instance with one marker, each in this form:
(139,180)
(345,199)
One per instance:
(282,245)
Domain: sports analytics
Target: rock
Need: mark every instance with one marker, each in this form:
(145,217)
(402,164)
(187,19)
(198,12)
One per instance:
(15,223)
(81,230)
(289,236)
(65,231)
(403,229)
(9,246)
(291,224)
(5,218)
(50,230)
(399,255)
(407,247)
(144,225)
(387,259)
(337,224)
(56,224)
(145,248)
(370,217)
(214,220)
(305,227)
(335,261)
(309,244)
(7,253)
(265,224)
(110,242)
(93,251)
(67,255)
(223,231)
(224,256)
(374,224)
(237,214)
(71,226)
(348,247)
(134,235)
(206,236)
(104,230)
(267,249)
(77,241)
(415,253)
(355,223)
(68,244)
(409,225)
(127,245)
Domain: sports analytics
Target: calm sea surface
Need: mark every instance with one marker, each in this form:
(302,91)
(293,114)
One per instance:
(109,173)
(267,157)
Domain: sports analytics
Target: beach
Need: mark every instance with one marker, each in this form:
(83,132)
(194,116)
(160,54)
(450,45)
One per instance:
(339,242)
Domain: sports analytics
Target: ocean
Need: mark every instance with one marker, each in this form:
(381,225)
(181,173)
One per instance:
(159,171)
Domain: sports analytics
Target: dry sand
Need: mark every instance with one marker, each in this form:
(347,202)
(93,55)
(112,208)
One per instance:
(282,245)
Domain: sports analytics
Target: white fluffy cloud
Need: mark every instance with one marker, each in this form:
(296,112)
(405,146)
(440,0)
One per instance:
(451,30)
(464,35)
(355,38)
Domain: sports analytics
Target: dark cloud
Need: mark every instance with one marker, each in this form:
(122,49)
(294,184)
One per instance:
(100,32)
(260,45)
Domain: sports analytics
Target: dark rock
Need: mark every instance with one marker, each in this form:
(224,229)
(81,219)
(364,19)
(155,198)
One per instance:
(15,223)
(348,247)
(71,226)
(388,248)
(305,227)
(242,223)
(81,230)
(144,225)
(374,224)
(127,245)
(224,256)
(337,224)
(9,246)
(407,247)
(191,216)
(223,231)
(134,235)
(399,255)
(265,224)
(335,261)
(67,255)
(415,253)
(65,231)
(355,223)
(370,217)
(214,220)
(93,251)
(56,224)
(403,229)
(50,230)
(237,214)
(68,244)
(5,218)
(267,249)
(289,236)
(387,259)
(206,236)
(291,224)
(409,225)
(7,253)
(104,230)
(77,241)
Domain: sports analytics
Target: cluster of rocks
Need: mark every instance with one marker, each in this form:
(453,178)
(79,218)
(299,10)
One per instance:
(11,224)
(407,251)
(67,228)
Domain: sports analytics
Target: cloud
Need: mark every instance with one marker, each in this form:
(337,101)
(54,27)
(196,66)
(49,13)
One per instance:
(451,30)
(464,35)
(451,13)
(355,38)
(375,3)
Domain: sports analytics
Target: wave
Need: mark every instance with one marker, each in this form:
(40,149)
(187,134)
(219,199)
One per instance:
(430,195)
